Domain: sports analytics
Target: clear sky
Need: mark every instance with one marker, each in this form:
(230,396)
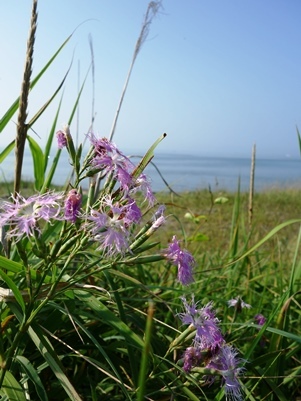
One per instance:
(217,76)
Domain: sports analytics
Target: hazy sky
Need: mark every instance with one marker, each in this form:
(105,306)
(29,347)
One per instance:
(216,76)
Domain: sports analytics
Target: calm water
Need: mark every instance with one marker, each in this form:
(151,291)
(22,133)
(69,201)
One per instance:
(190,172)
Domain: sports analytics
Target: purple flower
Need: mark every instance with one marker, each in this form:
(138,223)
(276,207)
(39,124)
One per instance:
(61,139)
(192,358)
(182,259)
(225,361)
(109,159)
(72,205)
(22,215)
(238,304)
(158,220)
(110,226)
(260,319)
(208,334)
(142,184)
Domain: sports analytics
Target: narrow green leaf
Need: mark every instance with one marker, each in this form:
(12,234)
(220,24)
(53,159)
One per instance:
(38,162)
(48,179)
(50,136)
(97,345)
(11,285)
(14,107)
(44,107)
(111,319)
(5,152)
(10,265)
(266,238)
(147,158)
(33,376)
(146,353)
(12,388)
(47,351)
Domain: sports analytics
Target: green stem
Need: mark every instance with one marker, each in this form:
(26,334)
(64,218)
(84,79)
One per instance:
(146,351)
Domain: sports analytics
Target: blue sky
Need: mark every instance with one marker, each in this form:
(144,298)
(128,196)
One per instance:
(216,76)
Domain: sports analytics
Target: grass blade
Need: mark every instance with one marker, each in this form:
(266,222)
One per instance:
(33,376)
(12,286)
(14,107)
(50,136)
(38,162)
(12,388)
(145,353)
(5,152)
(147,158)
(44,346)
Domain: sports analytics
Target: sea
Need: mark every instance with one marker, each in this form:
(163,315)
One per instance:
(186,172)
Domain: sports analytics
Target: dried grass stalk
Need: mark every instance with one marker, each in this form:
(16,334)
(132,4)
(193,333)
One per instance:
(23,103)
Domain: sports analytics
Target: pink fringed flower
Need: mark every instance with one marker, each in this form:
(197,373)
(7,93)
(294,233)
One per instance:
(23,215)
(110,226)
(182,259)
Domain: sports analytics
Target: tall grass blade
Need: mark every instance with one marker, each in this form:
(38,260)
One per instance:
(111,319)
(14,107)
(12,286)
(47,351)
(147,158)
(252,184)
(296,268)
(12,389)
(146,353)
(267,237)
(5,152)
(234,230)
(44,107)
(117,378)
(38,162)
(33,376)
(50,137)
(51,172)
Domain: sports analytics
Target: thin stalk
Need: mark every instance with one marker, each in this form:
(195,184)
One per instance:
(146,351)
(251,190)
(152,10)
(23,103)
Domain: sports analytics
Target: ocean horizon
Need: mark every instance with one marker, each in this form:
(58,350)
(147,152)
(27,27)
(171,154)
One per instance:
(187,172)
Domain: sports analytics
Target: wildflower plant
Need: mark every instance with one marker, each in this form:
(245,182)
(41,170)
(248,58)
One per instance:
(60,240)
(67,255)
(210,349)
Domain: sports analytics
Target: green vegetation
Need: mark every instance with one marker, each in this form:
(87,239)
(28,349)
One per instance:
(89,316)
(207,223)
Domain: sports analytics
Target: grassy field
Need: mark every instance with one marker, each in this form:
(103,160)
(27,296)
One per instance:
(208,225)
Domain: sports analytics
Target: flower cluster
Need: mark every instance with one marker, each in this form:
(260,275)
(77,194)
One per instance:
(109,219)
(210,348)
